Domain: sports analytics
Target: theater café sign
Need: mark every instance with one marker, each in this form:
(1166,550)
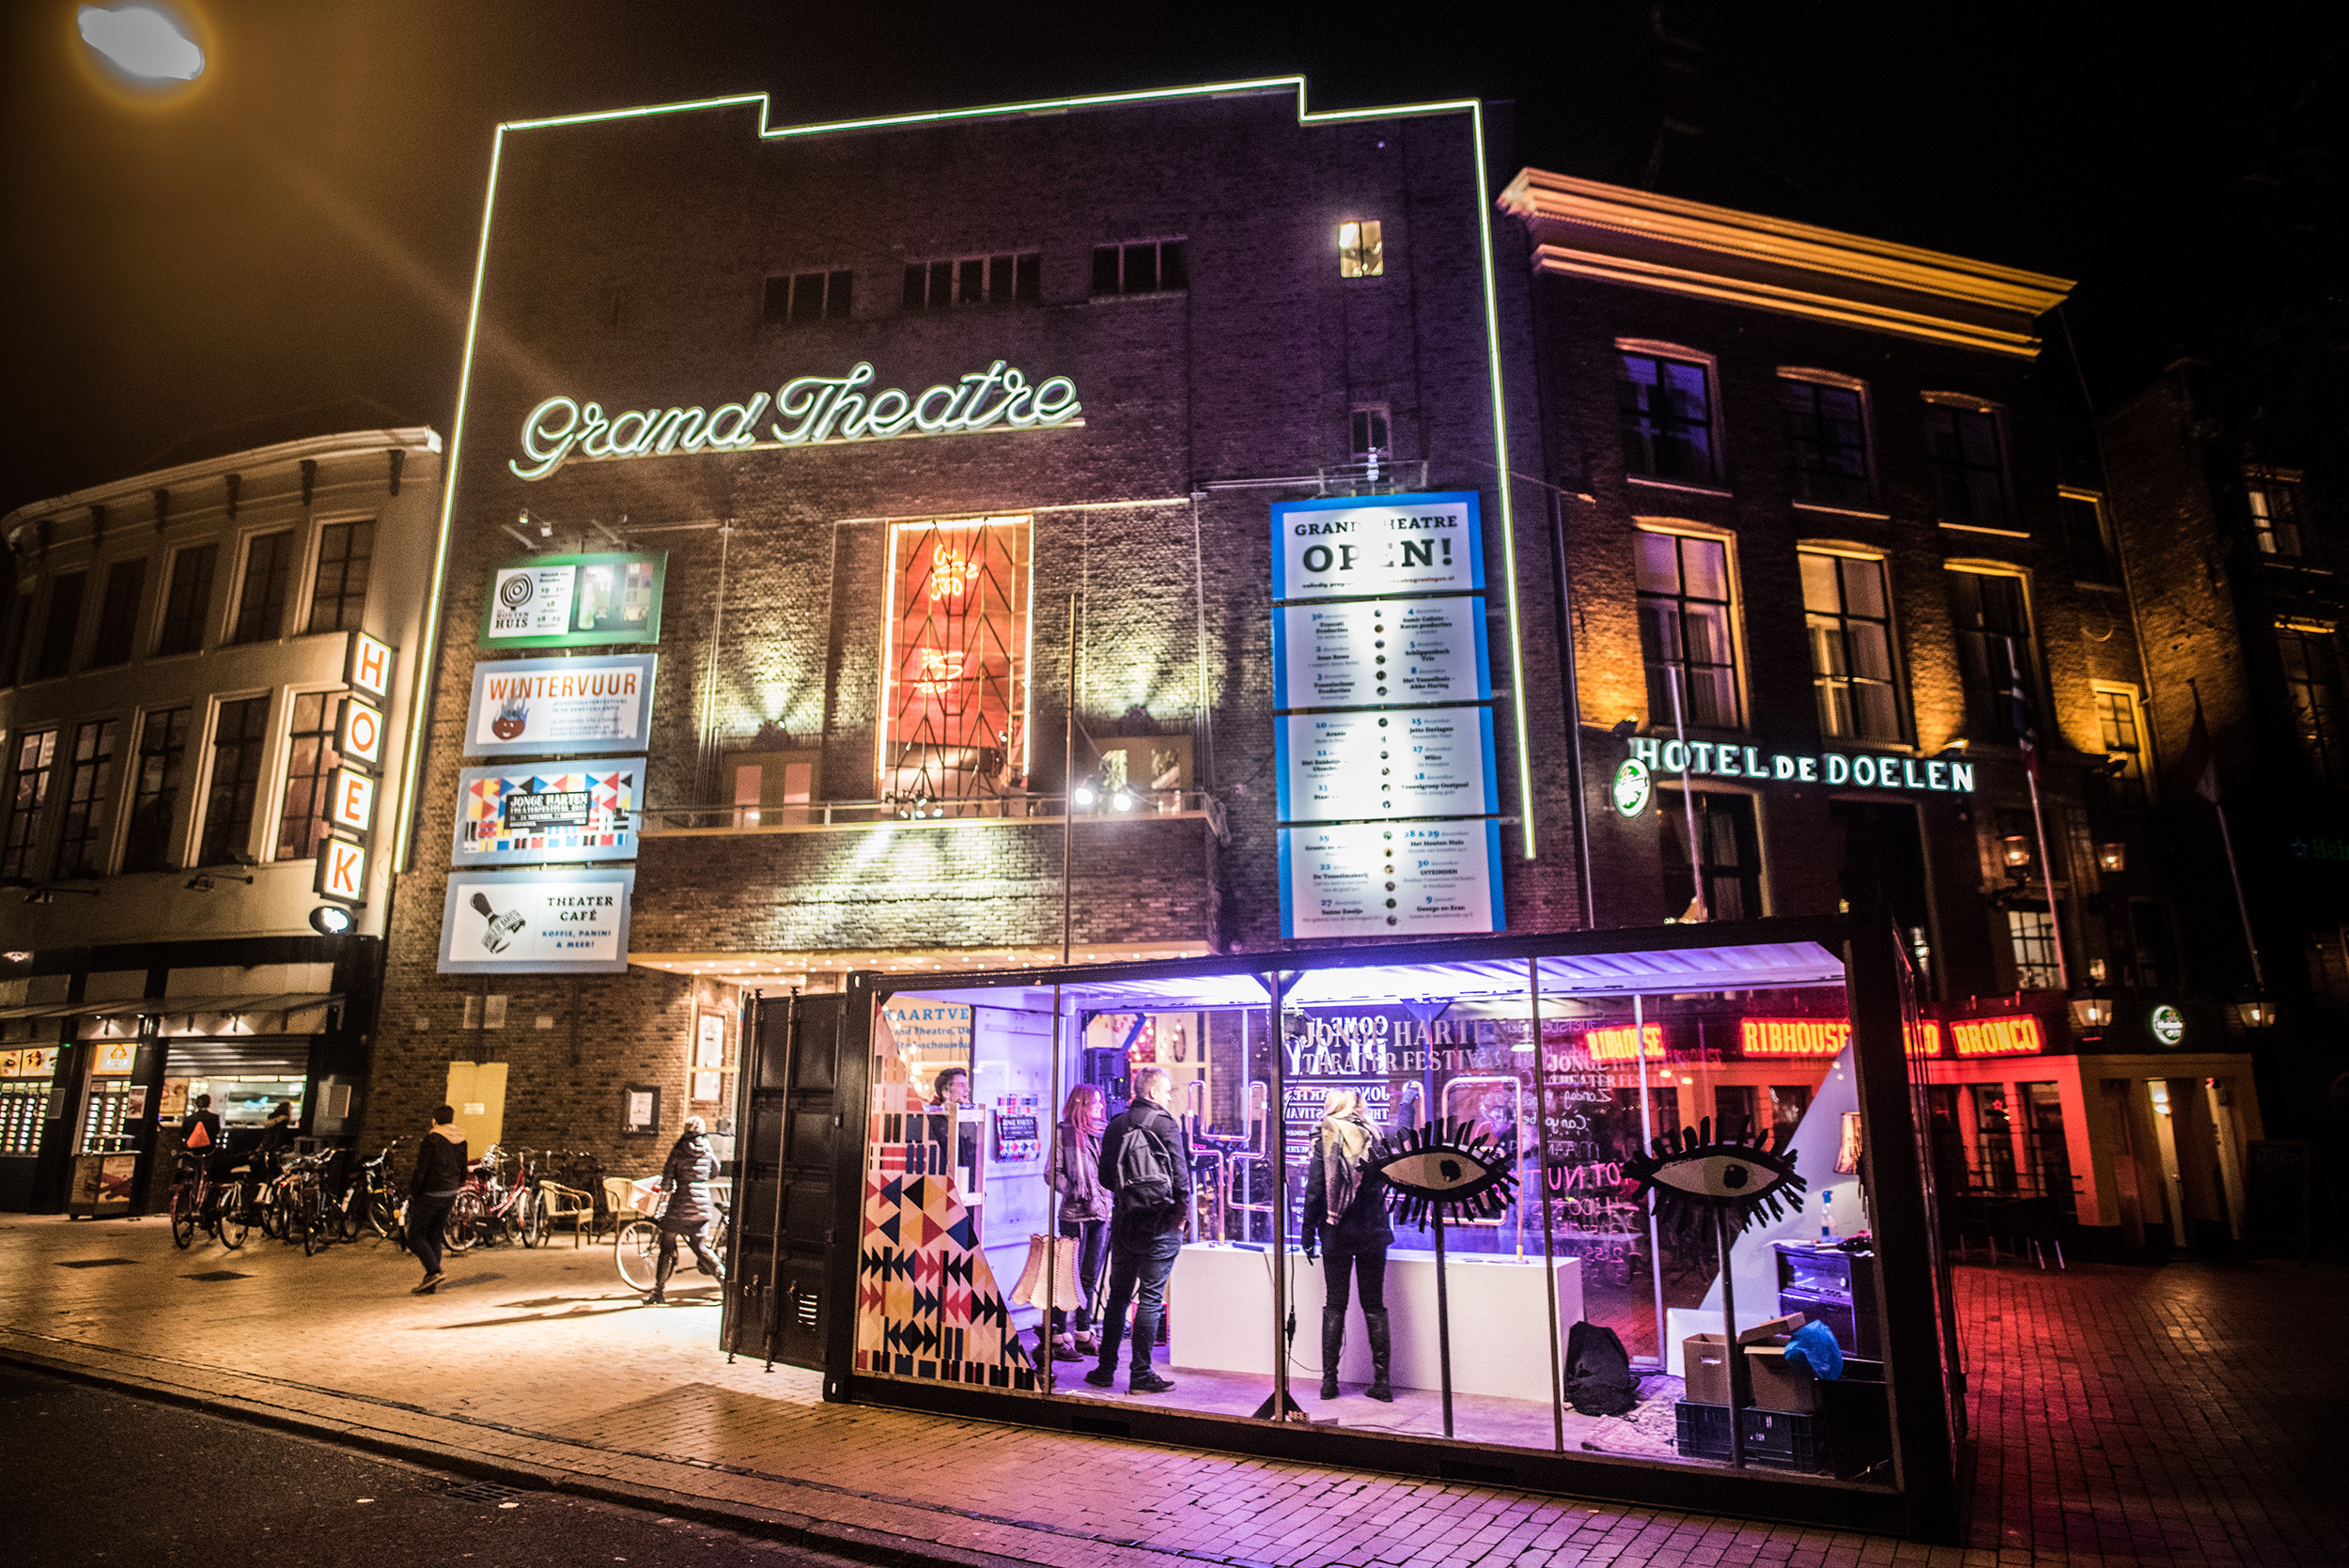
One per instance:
(809,410)
(1650,757)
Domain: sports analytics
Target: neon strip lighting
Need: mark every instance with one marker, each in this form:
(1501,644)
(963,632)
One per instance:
(1997,1036)
(1473,108)
(1793,1037)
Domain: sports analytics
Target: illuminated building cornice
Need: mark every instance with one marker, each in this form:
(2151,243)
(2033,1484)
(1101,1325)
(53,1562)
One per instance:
(1582,228)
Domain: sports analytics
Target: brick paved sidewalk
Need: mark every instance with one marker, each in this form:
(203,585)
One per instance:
(2123,1417)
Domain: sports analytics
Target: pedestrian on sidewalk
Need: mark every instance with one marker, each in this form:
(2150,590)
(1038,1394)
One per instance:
(432,1190)
(691,1165)
(1345,1210)
(1075,1173)
(1146,1165)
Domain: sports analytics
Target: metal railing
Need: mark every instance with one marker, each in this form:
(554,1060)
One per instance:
(842,816)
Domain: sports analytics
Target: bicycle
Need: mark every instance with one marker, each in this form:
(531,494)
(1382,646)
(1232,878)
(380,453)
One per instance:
(637,1248)
(194,1200)
(374,1197)
(311,1209)
(488,1206)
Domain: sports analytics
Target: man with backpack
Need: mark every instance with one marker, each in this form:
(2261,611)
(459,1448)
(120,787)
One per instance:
(1145,1164)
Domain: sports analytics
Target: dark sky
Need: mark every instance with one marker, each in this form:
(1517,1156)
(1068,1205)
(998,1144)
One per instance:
(293,241)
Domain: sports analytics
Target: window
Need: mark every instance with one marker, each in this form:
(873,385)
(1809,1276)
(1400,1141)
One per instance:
(1372,439)
(2312,674)
(63,625)
(310,763)
(2154,939)
(338,595)
(1361,250)
(261,604)
(1969,474)
(118,613)
(1665,412)
(2089,537)
(1993,637)
(16,618)
(975,280)
(238,736)
(28,796)
(89,801)
(1993,1135)
(1826,440)
(155,790)
(2275,513)
(797,298)
(1731,866)
(1851,646)
(2123,742)
(955,660)
(2043,1130)
(2032,935)
(1142,267)
(1685,630)
(188,601)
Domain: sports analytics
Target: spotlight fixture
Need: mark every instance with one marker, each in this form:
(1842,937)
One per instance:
(49,895)
(205,881)
(1085,796)
(1123,799)
(330,920)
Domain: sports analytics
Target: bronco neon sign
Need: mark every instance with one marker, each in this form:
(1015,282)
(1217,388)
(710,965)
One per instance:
(813,411)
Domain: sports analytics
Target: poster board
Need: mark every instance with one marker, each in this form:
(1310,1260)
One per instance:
(556,602)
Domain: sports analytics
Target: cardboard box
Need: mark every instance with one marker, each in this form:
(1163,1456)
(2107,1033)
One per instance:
(1708,1364)
(1775,1383)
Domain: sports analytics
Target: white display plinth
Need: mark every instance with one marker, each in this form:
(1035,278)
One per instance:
(1221,1299)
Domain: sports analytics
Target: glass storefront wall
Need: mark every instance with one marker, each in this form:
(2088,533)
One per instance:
(1497,1330)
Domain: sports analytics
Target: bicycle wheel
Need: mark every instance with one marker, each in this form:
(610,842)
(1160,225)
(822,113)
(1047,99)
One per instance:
(638,1251)
(235,1219)
(183,1216)
(312,1223)
(526,1217)
(382,1212)
(272,1202)
(541,1224)
(462,1226)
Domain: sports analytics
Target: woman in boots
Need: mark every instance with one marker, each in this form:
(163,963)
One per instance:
(1346,1212)
(1075,1173)
(687,1174)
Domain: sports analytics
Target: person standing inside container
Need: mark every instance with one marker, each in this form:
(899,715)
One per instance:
(432,1188)
(1146,1165)
(1345,1211)
(1075,1173)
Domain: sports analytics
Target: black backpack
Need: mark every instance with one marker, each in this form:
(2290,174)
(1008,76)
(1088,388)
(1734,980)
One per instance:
(1598,1380)
(1146,1180)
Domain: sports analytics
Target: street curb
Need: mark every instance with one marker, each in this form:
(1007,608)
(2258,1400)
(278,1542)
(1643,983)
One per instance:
(879,1548)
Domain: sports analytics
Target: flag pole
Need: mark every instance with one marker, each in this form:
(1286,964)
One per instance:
(2027,737)
(2207,785)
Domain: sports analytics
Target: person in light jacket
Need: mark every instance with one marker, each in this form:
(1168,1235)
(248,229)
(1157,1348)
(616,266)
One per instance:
(687,1174)
(1075,1173)
(1345,1210)
(432,1188)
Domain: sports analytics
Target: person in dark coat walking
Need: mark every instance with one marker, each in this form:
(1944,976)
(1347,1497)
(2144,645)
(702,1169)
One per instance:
(1146,1234)
(432,1190)
(1345,1210)
(687,1175)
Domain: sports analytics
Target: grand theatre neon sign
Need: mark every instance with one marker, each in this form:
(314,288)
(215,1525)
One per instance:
(811,410)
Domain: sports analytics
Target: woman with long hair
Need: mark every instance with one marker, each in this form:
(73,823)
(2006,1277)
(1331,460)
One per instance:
(1074,1172)
(1346,1212)
(687,1174)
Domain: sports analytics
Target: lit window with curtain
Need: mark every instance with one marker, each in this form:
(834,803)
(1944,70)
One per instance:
(955,660)
(1686,635)
(310,763)
(35,765)
(2031,934)
(1665,410)
(1993,628)
(2124,738)
(1849,617)
(2275,513)
(240,734)
(1826,442)
(2312,676)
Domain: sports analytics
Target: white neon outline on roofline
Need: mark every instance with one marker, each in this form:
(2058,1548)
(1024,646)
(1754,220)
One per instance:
(1473,107)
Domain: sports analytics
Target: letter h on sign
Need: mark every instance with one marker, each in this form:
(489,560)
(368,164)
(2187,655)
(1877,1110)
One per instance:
(367,668)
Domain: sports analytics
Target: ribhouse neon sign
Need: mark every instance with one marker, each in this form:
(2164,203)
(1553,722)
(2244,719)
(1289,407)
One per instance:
(810,411)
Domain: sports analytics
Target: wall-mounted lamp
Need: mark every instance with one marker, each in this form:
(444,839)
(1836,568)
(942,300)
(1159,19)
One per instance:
(205,881)
(2112,857)
(2254,1008)
(2092,1008)
(1626,727)
(2016,849)
(17,957)
(1952,748)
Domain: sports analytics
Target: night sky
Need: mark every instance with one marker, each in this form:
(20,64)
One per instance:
(288,249)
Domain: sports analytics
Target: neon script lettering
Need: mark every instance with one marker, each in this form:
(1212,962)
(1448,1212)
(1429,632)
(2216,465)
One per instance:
(811,410)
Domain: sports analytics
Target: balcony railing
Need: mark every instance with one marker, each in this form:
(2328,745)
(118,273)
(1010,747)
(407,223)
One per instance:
(833,816)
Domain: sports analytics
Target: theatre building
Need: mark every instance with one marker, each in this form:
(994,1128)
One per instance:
(1852,627)
(205,683)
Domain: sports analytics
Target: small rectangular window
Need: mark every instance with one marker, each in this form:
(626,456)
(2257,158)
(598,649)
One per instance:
(240,735)
(1826,440)
(338,595)
(2089,537)
(118,613)
(1730,864)
(62,627)
(1142,267)
(188,601)
(2032,936)
(1685,630)
(1850,620)
(2276,513)
(2154,935)
(2124,745)
(797,298)
(1362,251)
(261,601)
(1016,277)
(310,763)
(155,792)
(1665,409)
(1970,471)
(1993,653)
(36,762)
(89,801)
(2313,676)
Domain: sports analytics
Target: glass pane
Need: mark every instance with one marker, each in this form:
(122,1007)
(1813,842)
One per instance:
(1818,585)
(1705,566)
(1659,562)
(1863,587)
(1142,269)
(1708,633)
(1871,650)
(1105,269)
(1827,645)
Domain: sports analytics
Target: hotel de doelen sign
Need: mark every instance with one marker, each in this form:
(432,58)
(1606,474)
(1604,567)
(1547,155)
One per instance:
(809,410)
(1383,723)
(1632,788)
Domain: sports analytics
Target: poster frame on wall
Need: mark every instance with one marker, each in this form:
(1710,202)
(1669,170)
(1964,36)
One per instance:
(632,731)
(460,918)
(540,576)
(624,836)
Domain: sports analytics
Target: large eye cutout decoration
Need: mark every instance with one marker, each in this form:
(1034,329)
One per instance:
(1443,1166)
(1693,1173)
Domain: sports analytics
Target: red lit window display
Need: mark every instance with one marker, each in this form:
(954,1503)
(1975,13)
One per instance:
(954,663)
(1793,1037)
(1997,1036)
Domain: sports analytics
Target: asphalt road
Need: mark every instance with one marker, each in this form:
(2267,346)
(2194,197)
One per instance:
(98,1477)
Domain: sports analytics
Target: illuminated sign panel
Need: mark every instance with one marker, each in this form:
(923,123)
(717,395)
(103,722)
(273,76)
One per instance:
(526,707)
(2019,1036)
(1368,764)
(351,800)
(1727,761)
(515,815)
(1793,1037)
(359,733)
(342,871)
(810,411)
(569,600)
(1616,1042)
(368,667)
(955,657)
(536,922)
(1357,651)
(1390,880)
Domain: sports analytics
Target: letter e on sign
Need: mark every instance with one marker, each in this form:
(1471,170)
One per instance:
(342,871)
(369,671)
(351,800)
(360,736)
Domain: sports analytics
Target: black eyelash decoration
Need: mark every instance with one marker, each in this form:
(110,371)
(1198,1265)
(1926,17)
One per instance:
(1443,1166)
(1692,1173)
